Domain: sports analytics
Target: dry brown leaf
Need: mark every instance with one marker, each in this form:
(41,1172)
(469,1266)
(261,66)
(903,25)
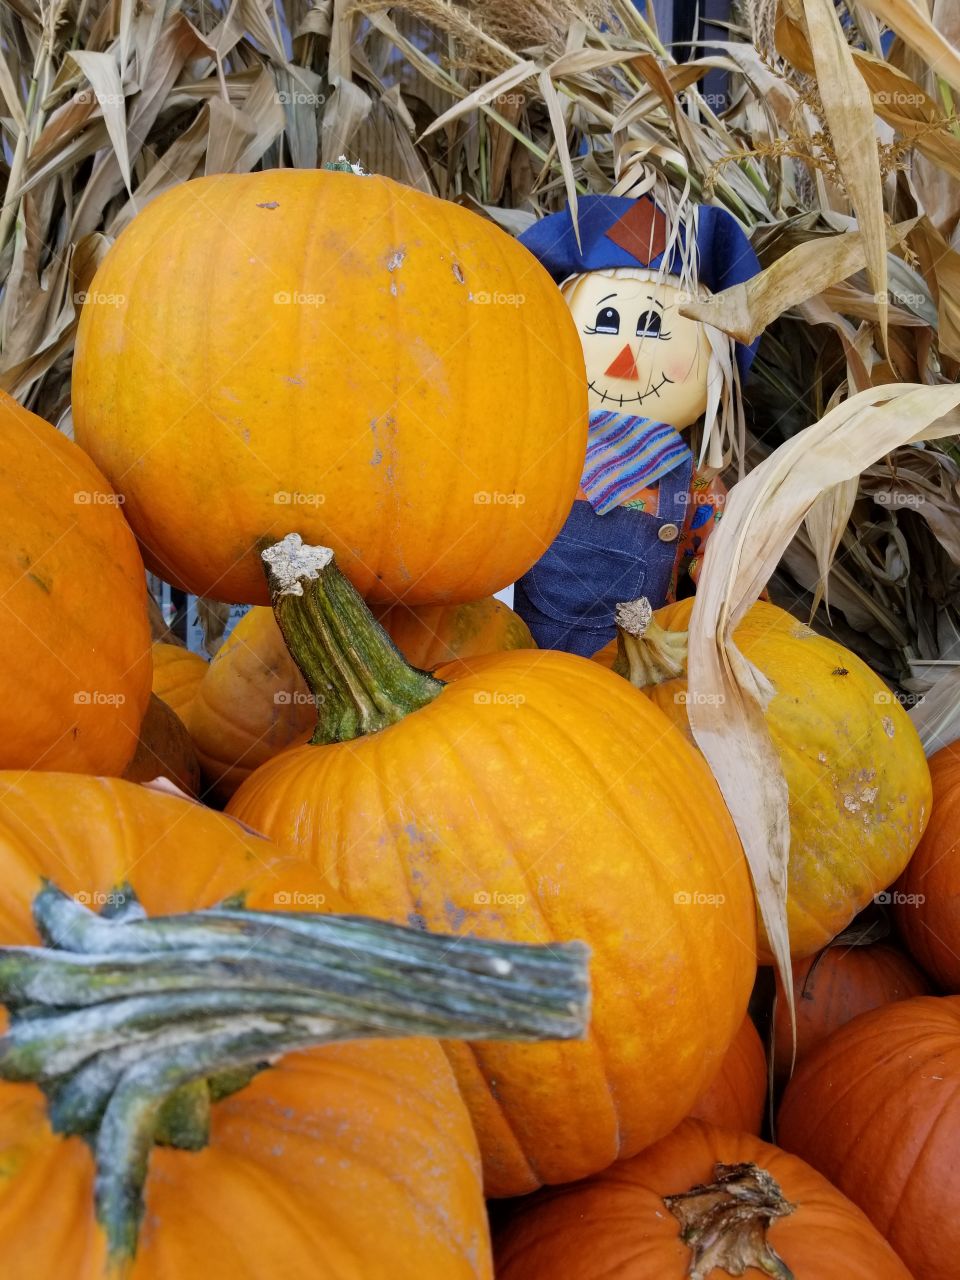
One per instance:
(917,31)
(848,107)
(745,310)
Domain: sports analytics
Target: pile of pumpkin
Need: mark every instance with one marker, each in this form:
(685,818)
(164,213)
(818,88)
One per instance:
(387,743)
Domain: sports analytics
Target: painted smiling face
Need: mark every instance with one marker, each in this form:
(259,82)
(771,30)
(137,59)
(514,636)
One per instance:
(642,355)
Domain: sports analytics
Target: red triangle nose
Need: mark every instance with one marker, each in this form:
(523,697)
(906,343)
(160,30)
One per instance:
(624,366)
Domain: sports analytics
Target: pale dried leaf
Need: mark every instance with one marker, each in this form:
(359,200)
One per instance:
(848,107)
(936,717)
(745,310)
(103,74)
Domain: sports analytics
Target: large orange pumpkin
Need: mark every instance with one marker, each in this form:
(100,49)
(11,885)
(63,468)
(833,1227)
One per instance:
(876,1108)
(254,703)
(834,986)
(73,607)
(176,676)
(926,898)
(736,1097)
(533,797)
(626,1222)
(854,766)
(352,1161)
(378,368)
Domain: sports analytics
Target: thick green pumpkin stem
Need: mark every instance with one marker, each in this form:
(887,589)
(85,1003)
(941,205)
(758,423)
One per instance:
(358,678)
(134,1026)
(647,653)
(725,1223)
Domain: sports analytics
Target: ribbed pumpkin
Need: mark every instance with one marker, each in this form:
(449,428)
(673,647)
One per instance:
(430,635)
(251,704)
(176,676)
(76,638)
(621,1224)
(736,1097)
(381,369)
(164,750)
(858,781)
(254,703)
(926,898)
(876,1108)
(534,797)
(834,986)
(352,1161)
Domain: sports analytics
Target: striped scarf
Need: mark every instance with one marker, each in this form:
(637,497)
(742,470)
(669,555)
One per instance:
(625,453)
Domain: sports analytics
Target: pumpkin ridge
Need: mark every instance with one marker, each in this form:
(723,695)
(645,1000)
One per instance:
(434,727)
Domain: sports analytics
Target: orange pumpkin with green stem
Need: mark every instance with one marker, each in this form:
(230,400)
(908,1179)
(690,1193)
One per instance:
(854,766)
(532,797)
(76,638)
(131,1031)
(254,703)
(321,343)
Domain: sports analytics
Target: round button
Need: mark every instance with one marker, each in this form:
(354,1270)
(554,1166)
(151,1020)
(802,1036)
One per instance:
(668,533)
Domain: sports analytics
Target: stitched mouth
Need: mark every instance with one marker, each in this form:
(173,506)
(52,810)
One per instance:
(637,399)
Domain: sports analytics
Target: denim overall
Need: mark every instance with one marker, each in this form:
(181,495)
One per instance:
(597,562)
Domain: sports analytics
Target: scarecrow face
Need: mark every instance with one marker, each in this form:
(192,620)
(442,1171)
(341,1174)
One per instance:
(642,355)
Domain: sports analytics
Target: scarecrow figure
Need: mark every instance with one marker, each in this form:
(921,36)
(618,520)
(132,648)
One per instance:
(644,509)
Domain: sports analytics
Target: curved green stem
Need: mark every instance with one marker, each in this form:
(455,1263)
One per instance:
(647,654)
(133,1025)
(358,678)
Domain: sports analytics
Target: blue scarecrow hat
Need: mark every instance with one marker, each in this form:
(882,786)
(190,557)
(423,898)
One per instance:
(619,232)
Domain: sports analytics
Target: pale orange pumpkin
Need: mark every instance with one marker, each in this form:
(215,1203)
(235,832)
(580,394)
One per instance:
(859,785)
(384,370)
(75,677)
(177,673)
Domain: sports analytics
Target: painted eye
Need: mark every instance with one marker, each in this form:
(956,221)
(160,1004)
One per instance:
(608,320)
(648,325)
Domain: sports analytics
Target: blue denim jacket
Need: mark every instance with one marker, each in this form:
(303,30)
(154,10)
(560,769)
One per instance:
(597,562)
